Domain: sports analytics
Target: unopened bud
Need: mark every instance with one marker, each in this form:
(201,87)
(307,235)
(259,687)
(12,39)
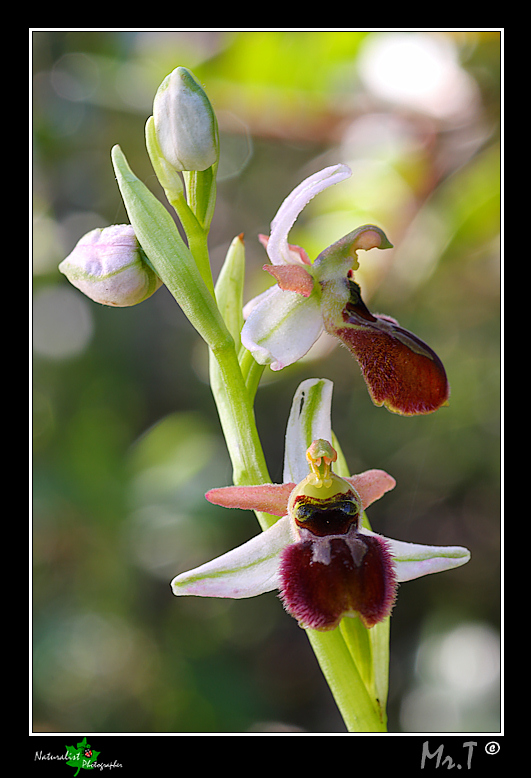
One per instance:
(109,266)
(185,122)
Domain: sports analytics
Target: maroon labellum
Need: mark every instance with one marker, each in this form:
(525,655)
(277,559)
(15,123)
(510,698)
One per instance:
(334,570)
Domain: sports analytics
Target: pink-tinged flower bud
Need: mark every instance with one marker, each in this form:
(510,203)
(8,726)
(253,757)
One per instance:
(109,266)
(185,123)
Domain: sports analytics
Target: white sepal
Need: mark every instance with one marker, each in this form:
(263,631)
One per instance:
(246,571)
(413,560)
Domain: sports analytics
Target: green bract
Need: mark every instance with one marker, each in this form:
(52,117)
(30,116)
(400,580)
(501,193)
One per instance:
(168,253)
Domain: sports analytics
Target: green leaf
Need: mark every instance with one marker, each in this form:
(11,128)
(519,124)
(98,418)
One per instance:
(171,258)
(77,756)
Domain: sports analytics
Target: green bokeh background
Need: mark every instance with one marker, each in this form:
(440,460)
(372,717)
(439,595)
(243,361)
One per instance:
(126,437)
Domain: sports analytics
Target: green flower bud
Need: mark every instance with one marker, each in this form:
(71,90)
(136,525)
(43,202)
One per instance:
(109,266)
(185,122)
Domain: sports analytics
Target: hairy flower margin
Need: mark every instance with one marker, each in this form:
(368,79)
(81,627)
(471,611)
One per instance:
(400,370)
(320,555)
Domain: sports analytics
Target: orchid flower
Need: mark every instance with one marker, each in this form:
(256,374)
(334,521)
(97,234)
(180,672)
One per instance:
(320,555)
(400,370)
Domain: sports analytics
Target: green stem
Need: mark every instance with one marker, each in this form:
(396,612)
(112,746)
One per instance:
(234,403)
(197,239)
(237,419)
(357,707)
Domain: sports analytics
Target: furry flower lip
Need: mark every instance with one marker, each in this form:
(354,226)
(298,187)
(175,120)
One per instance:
(320,555)
(401,371)
(333,570)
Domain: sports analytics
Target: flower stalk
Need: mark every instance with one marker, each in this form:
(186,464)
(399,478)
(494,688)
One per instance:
(335,575)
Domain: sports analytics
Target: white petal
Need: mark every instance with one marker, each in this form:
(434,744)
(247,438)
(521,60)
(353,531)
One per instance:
(249,307)
(309,420)
(246,571)
(282,328)
(277,247)
(413,560)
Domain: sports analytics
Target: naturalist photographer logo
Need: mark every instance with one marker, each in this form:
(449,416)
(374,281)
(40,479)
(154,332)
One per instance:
(81,757)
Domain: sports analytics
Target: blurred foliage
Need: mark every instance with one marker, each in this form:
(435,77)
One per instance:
(126,437)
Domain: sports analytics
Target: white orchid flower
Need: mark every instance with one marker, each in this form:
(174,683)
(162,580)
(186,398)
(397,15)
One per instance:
(283,323)
(325,563)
